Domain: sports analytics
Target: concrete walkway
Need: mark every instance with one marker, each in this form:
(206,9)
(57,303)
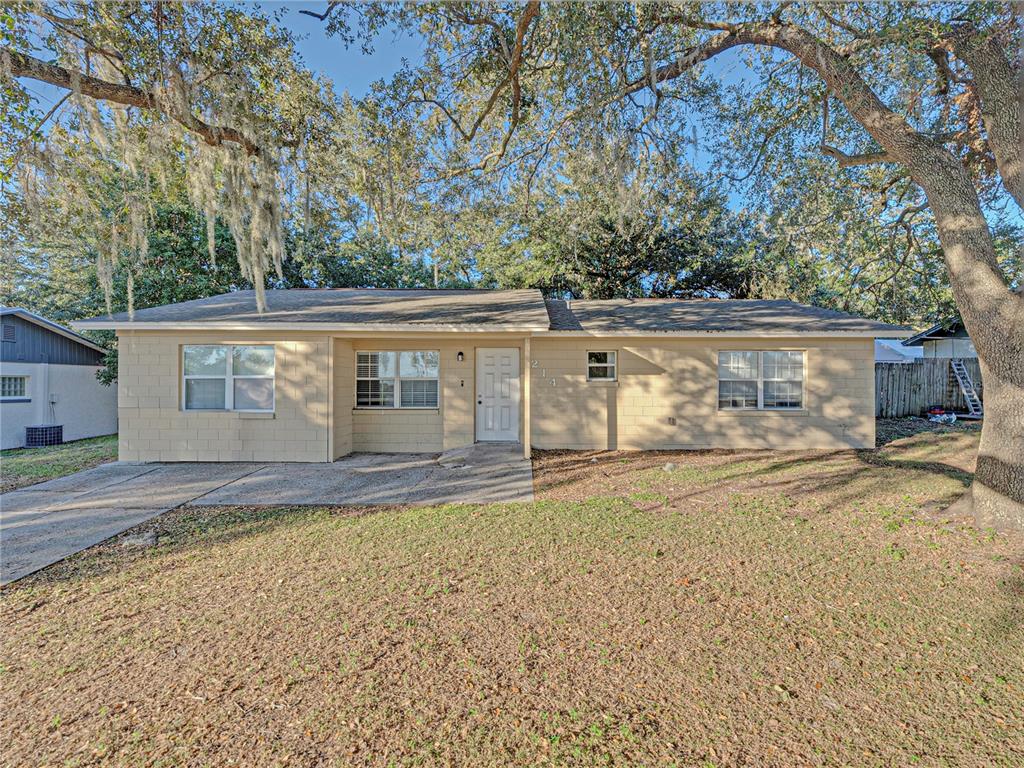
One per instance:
(44,523)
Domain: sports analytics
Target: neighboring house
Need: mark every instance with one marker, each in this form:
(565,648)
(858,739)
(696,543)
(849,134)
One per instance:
(48,376)
(946,339)
(323,373)
(893,351)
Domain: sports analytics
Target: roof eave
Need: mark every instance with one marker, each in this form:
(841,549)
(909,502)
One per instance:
(49,325)
(918,339)
(534,330)
(779,334)
(118,325)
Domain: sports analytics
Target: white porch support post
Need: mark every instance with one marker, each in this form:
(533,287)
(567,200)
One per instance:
(330,399)
(526,397)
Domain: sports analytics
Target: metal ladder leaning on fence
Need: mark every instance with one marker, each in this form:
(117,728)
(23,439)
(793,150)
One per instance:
(963,378)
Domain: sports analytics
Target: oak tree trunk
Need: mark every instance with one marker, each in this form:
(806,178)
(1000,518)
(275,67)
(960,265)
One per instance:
(998,489)
(994,318)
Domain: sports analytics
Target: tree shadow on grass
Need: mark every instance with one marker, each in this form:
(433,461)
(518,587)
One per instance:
(177,531)
(560,469)
(840,478)
(829,479)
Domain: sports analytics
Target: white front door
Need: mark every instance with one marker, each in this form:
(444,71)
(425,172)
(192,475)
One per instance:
(497,394)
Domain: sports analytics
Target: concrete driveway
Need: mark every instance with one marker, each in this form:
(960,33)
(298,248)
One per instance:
(44,523)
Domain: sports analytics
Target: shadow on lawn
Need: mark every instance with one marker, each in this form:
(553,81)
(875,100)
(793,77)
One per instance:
(825,480)
(850,477)
(178,531)
(832,478)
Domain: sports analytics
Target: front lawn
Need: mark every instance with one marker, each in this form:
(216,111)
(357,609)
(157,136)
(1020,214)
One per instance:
(24,466)
(733,609)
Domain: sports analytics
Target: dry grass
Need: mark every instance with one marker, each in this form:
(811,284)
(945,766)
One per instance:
(888,430)
(741,609)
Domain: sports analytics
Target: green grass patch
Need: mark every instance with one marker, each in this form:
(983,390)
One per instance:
(25,466)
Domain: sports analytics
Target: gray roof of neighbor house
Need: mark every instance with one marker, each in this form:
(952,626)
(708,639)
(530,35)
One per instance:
(49,325)
(751,317)
(347,309)
(949,328)
(525,311)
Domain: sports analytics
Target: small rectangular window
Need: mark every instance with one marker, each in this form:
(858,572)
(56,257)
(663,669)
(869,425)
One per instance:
(11,333)
(601,366)
(221,377)
(772,380)
(397,379)
(13,387)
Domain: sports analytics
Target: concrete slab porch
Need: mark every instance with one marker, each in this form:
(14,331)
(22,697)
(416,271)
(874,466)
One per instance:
(482,474)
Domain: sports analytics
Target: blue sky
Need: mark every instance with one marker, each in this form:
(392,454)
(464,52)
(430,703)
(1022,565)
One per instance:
(349,68)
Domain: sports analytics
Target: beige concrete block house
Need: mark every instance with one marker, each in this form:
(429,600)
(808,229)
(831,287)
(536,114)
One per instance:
(324,373)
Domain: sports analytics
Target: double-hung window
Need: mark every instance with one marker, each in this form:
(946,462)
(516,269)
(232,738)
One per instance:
(12,387)
(397,379)
(770,380)
(220,377)
(601,366)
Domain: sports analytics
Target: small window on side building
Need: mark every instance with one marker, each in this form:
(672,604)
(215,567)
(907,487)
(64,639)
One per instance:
(12,387)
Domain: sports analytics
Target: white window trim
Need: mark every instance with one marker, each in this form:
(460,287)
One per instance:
(14,398)
(613,364)
(397,380)
(229,381)
(761,380)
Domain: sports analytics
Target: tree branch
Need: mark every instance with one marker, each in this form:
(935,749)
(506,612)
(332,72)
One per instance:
(848,161)
(978,281)
(23,65)
(322,16)
(530,12)
(999,91)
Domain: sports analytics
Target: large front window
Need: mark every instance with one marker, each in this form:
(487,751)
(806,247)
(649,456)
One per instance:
(397,379)
(772,380)
(228,378)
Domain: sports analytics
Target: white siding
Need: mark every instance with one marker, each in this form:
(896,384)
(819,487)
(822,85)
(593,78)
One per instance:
(81,404)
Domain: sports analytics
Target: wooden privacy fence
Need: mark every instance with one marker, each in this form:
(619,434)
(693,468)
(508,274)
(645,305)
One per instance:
(907,389)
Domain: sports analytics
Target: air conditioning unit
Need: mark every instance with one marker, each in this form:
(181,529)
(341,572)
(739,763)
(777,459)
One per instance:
(44,434)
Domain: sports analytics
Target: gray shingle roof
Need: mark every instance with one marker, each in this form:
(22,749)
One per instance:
(950,327)
(349,307)
(42,322)
(714,316)
(521,311)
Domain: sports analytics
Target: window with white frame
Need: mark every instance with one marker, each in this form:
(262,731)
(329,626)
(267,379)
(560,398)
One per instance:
(770,380)
(397,379)
(601,366)
(12,387)
(219,377)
